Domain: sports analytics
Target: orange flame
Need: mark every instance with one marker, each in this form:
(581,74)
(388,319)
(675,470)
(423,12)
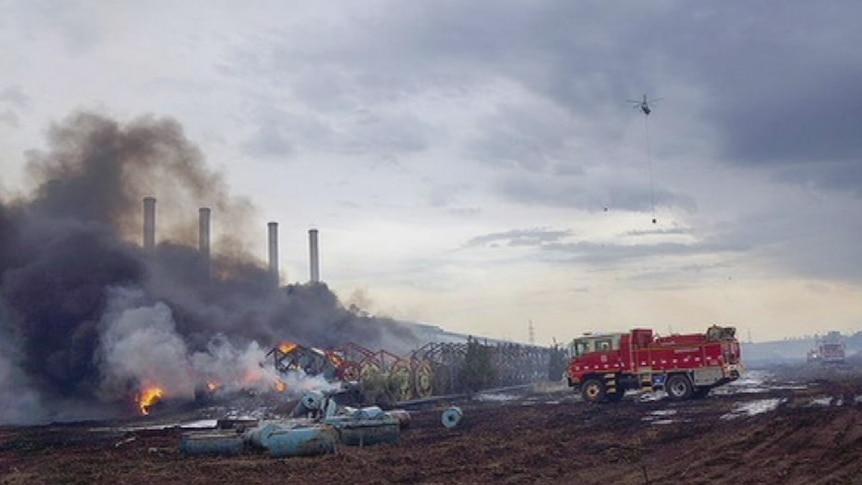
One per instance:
(148,398)
(213,386)
(336,359)
(280,385)
(287,347)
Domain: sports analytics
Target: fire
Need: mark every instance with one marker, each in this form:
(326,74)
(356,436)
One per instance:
(287,347)
(213,386)
(148,398)
(280,385)
(337,360)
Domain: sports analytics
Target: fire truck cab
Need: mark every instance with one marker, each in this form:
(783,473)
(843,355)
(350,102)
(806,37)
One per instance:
(604,366)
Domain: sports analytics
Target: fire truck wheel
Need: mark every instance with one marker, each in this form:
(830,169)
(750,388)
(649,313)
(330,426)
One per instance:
(593,390)
(678,387)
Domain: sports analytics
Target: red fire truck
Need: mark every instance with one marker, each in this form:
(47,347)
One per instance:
(603,367)
(829,351)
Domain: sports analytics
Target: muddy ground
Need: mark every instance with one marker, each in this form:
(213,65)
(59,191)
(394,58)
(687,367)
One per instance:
(787,425)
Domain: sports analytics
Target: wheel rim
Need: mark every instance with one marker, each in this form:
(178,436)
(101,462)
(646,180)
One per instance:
(678,388)
(593,391)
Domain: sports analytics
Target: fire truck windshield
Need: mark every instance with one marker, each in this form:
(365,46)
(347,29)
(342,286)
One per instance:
(586,346)
(580,347)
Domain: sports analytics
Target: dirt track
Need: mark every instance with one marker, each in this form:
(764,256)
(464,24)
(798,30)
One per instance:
(780,431)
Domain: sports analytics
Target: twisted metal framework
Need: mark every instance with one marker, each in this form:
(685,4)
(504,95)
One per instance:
(436,368)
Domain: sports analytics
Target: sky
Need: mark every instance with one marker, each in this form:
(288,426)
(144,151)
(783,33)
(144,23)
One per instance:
(480,165)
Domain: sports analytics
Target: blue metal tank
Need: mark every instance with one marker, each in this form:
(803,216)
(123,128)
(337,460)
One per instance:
(211,443)
(301,441)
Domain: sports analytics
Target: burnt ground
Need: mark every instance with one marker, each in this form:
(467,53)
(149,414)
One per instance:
(786,426)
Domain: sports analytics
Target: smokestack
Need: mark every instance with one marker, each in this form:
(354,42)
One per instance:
(204,237)
(149,224)
(273,252)
(315,259)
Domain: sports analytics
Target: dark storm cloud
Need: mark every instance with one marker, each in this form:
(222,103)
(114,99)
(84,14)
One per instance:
(776,83)
(782,82)
(521,138)
(804,241)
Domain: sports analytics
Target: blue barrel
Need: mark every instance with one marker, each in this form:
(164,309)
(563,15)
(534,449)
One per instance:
(363,432)
(211,443)
(452,417)
(259,435)
(370,412)
(301,441)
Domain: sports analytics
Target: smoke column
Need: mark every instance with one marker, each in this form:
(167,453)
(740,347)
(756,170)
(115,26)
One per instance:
(89,315)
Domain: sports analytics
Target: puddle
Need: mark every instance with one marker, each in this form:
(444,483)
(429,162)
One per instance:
(753,408)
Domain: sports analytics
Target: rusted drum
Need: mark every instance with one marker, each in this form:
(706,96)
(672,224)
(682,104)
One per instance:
(401,381)
(423,379)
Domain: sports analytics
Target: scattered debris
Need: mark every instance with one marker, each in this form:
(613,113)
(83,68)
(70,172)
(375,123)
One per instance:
(317,424)
(124,441)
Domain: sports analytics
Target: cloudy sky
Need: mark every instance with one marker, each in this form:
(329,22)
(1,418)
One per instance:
(477,164)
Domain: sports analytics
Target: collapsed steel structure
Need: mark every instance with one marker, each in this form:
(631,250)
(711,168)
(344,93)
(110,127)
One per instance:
(435,369)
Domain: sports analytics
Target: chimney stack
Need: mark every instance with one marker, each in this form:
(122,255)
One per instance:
(273,252)
(314,255)
(204,214)
(149,224)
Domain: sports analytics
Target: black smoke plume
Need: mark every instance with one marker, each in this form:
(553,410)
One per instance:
(87,317)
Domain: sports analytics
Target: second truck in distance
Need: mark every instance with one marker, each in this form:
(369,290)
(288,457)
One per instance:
(603,367)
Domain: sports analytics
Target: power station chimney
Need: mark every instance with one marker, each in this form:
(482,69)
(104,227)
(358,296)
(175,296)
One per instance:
(273,252)
(314,256)
(149,224)
(204,214)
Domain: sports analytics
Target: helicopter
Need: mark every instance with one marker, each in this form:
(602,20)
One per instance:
(643,104)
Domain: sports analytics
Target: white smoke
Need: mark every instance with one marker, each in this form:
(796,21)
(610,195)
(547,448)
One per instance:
(140,347)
